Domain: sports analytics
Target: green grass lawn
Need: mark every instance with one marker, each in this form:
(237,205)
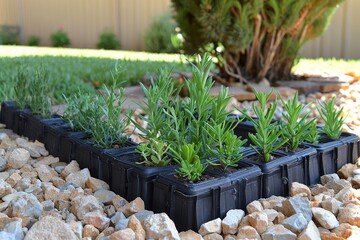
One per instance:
(327,65)
(74,69)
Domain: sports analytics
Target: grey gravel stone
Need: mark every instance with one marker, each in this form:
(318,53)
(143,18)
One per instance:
(295,205)
(296,223)
(3,164)
(144,214)
(121,224)
(117,217)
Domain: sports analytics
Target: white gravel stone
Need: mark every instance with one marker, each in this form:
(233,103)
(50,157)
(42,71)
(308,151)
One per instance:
(311,232)
(213,226)
(18,158)
(231,222)
(278,232)
(325,218)
(160,226)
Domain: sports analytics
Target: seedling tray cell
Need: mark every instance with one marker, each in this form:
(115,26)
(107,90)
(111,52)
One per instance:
(189,204)
(140,180)
(7,113)
(54,129)
(68,145)
(279,173)
(20,118)
(107,155)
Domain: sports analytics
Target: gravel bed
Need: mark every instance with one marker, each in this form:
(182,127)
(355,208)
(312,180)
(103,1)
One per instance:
(42,198)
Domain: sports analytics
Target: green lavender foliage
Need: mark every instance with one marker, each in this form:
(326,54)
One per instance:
(79,108)
(39,101)
(157,96)
(154,153)
(194,128)
(107,125)
(332,118)
(100,115)
(20,87)
(31,90)
(296,126)
(267,137)
(191,167)
(226,146)
(312,136)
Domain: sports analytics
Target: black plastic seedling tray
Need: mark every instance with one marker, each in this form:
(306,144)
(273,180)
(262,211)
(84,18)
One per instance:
(20,119)
(333,154)
(7,113)
(140,180)
(245,186)
(54,130)
(89,156)
(68,145)
(107,172)
(189,204)
(36,126)
(93,158)
(280,173)
(310,174)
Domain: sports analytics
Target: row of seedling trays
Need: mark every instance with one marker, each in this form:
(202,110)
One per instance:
(193,165)
(189,204)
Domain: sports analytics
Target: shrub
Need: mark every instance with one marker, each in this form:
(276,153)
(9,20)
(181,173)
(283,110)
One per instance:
(33,41)
(108,41)
(9,35)
(252,39)
(60,39)
(158,37)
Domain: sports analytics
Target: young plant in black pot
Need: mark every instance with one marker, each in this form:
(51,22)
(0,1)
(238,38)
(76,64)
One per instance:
(60,139)
(332,117)
(31,92)
(20,102)
(297,129)
(266,141)
(191,167)
(134,178)
(100,117)
(198,136)
(267,133)
(335,148)
(154,153)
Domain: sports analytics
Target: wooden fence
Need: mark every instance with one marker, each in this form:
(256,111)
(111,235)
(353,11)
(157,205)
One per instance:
(84,20)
